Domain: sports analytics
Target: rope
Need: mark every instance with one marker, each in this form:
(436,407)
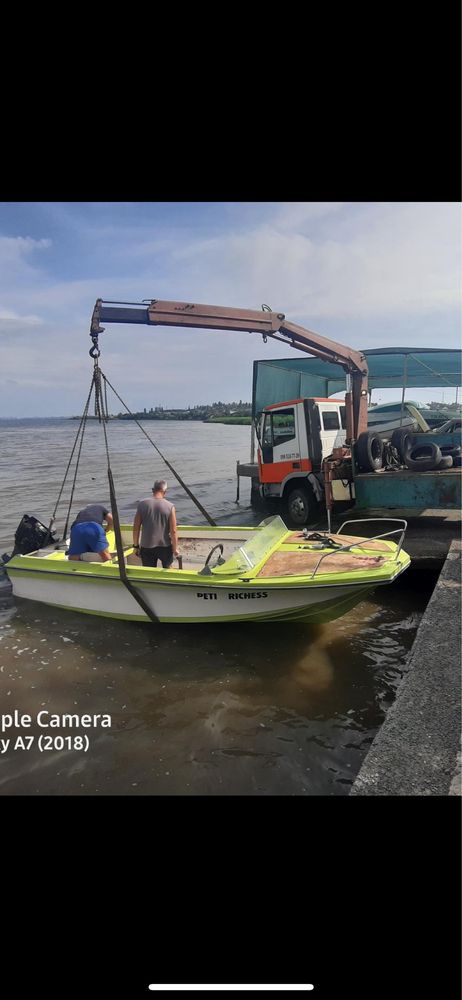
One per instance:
(328,542)
(120,553)
(167,463)
(102,414)
(82,423)
(101,411)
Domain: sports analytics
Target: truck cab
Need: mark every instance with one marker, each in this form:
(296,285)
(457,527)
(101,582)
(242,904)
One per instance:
(294,438)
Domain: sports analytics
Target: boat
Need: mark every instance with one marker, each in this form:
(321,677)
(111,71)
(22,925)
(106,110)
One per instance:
(386,417)
(224,574)
(419,417)
(263,573)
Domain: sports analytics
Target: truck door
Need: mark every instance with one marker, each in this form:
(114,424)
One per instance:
(280,451)
(333,426)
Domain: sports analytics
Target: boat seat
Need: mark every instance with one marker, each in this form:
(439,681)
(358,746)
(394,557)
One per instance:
(94,557)
(45,554)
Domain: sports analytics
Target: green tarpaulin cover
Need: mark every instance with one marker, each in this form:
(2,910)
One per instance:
(389,368)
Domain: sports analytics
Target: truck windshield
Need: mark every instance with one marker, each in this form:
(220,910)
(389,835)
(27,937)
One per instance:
(255,548)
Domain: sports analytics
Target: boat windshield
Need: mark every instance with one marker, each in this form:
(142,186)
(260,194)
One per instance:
(256,547)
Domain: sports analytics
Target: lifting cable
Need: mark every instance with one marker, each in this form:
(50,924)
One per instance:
(102,414)
(99,383)
(84,419)
(81,428)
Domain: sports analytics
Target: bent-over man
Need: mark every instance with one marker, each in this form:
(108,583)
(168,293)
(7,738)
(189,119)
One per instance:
(155,518)
(87,532)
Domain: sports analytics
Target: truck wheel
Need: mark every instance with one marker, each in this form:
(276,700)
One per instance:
(256,499)
(299,505)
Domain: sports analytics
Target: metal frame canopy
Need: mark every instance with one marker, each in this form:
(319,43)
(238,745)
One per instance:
(389,367)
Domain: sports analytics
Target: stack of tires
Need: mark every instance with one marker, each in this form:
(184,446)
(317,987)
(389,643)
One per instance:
(415,455)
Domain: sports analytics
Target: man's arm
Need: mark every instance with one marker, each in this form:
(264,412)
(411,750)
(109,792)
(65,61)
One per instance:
(105,556)
(173,531)
(109,520)
(136,529)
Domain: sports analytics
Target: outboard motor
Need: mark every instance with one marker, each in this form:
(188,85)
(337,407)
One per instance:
(31,535)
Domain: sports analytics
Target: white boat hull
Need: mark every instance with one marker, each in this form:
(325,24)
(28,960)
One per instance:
(176,603)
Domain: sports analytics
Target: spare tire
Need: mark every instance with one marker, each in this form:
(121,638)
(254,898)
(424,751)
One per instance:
(369,450)
(423,457)
(402,439)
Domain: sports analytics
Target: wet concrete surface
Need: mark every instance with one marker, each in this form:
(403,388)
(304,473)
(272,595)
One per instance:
(417,750)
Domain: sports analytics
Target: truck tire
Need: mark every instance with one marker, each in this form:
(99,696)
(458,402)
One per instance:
(256,499)
(423,457)
(402,439)
(369,449)
(299,506)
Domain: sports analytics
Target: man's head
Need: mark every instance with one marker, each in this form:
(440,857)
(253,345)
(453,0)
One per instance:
(160,486)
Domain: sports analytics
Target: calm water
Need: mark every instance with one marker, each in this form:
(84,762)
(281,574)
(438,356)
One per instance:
(209,709)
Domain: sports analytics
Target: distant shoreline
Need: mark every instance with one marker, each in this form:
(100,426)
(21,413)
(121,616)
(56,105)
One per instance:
(244,419)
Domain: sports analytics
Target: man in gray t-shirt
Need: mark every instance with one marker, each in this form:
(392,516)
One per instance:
(155,518)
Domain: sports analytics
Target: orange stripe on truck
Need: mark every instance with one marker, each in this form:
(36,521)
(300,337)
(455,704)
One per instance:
(275,472)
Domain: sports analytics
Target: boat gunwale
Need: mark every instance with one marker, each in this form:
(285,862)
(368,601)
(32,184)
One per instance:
(187,578)
(54,563)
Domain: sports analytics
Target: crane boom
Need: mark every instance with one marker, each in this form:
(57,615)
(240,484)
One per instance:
(157,312)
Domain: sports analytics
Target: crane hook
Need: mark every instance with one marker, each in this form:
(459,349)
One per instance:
(94,351)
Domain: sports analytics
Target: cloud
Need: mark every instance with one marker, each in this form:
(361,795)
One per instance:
(395,259)
(17,258)
(10,319)
(295,215)
(17,247)
(364,274)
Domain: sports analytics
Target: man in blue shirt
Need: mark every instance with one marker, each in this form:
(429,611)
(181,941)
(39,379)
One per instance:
(87,533)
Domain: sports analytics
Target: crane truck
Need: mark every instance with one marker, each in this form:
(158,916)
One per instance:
(295,437)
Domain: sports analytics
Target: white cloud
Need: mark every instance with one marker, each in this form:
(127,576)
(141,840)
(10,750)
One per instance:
(364,274)
(16,247)
(295,215)
(397,259)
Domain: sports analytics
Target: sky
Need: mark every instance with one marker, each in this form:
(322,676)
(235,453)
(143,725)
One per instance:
(375,274)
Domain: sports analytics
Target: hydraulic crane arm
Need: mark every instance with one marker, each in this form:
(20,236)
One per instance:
(156,312)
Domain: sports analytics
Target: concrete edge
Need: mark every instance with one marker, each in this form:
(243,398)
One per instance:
(417,749)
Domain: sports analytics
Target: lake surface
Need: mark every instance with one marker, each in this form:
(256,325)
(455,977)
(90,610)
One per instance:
(250,709)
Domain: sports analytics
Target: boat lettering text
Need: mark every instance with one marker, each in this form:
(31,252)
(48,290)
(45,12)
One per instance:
(248,593)
(243,595)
